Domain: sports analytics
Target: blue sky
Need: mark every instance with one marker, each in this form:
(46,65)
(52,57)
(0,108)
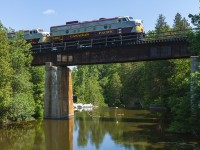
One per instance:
(31,14)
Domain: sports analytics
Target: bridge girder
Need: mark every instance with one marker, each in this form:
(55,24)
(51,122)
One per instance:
(133,52)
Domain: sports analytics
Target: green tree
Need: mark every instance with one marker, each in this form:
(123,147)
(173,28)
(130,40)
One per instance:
(6,72)
(194,37)
(114,93)
(161,29)
(93,94)
(179,99)
(180,23)
(161,26)
(180,81)
(86,84)
(156,81)
(22,105)
(194,113)
(156,73)
(132,77)
(195,19)
(79,75)
(38,78)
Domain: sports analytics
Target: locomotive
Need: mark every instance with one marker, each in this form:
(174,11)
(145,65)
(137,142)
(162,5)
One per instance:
(34,36)
(95,29)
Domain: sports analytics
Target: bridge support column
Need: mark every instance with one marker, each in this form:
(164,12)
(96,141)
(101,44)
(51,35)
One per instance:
(194,64)
(58,103)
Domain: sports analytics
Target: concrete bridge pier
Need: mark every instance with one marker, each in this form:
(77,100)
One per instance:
(58,103)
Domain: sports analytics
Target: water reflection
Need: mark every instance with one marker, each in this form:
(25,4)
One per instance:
(46,135)
(125,129)
(99,129)
(59,134)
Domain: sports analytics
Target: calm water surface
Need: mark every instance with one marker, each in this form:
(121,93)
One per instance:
(100,129)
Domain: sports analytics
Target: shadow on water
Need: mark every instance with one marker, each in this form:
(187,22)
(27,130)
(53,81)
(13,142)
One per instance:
(101,129)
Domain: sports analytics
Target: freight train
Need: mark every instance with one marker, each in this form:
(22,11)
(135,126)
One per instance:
(77,31)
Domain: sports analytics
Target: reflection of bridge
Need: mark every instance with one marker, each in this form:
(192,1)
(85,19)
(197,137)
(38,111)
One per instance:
(58,88)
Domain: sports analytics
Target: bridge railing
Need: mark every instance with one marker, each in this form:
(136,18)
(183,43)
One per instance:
(170,34)
(113,41)
(86,43)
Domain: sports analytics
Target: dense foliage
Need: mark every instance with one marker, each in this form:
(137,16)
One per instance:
(6,72)
(18,95)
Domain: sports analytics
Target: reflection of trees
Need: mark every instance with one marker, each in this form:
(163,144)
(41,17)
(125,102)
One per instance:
(94,125)
(44,135)
(97,133)
(22,137)
(90,128)
(133,131)
(39,141)
(83,130)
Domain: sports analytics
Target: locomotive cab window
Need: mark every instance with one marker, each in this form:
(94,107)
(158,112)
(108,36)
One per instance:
(40,30)
(137,24)
(130,18)
(124,20)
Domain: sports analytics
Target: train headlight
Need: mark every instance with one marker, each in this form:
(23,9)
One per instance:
(138,28)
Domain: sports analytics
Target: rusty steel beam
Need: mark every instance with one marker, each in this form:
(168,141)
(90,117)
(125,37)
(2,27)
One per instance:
(134,52)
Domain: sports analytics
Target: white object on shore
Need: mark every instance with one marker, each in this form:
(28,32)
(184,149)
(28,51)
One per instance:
(80,107)
(87,105)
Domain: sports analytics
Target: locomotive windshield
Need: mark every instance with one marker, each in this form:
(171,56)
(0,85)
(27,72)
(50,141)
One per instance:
(131,18)
(137,24)
(40,30)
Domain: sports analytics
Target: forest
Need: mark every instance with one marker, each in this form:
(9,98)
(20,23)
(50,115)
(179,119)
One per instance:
(138,85)
(129,85)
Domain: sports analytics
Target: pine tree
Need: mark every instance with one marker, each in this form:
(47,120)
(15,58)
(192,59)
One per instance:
(161,25)
(180,23)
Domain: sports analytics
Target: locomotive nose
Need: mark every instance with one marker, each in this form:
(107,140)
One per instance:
(138,28)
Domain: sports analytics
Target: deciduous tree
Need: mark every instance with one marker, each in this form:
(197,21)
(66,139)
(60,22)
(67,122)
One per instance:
(6,72)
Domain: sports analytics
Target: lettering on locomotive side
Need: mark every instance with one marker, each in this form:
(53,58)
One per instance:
(105,32)
(56,38)
(79,35)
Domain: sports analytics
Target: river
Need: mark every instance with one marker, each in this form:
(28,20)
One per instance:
(99,129)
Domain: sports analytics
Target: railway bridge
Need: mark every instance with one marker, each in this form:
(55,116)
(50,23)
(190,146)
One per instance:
(56,56)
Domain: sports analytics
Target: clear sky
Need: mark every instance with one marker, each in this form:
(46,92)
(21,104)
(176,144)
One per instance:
(31,14)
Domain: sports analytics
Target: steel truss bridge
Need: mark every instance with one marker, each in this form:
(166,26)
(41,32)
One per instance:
(115,49)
